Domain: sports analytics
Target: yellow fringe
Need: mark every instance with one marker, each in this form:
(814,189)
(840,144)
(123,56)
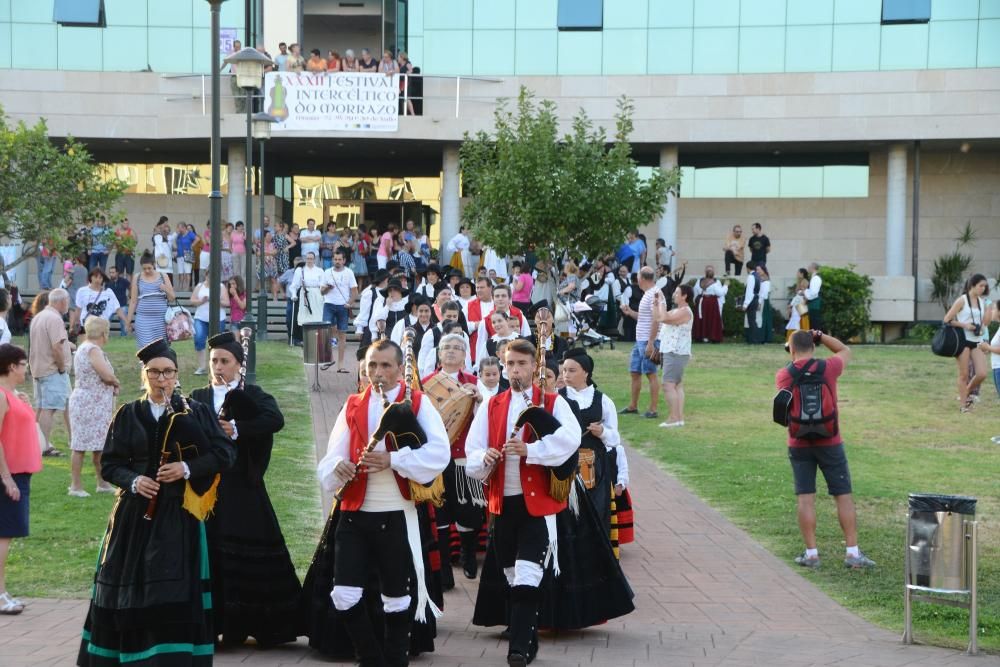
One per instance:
(614,526)
(201,506)
(433,494)
(559,488)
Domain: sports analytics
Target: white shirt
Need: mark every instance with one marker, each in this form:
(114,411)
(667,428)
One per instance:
(103,303)
(305,277)
(427,359)
(219,392)
(609,415)
(483,335)
(815,284)
(552,450)
(765,290)
(201,312)
(486,392)
(366,307)
(717,289)
(310,241)
(622,461)
(341,283)
(421,465)
(5,332)
(458,243)
(994,357)
(161,248)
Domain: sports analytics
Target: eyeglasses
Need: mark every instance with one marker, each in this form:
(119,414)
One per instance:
(161,374)
(457,348)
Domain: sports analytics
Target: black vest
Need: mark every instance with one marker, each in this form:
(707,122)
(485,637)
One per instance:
(594,413)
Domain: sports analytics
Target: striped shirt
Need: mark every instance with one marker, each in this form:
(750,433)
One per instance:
(644,323)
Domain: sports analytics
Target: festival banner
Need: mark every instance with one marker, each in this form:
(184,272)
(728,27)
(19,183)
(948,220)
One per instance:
(338,101)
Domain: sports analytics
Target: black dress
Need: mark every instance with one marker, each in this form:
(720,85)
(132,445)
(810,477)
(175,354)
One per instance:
(254,586)
(600,494)
(152,600)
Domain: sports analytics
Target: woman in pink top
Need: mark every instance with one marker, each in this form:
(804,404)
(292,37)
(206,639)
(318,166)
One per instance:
(385,246)
(520,288)
(20,457)
(238,241)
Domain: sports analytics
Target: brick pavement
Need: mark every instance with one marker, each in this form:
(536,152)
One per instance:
(706,594)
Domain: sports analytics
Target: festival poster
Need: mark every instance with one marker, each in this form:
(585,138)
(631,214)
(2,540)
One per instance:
(340,101)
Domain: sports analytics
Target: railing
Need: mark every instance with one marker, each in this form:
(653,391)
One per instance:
(406,97)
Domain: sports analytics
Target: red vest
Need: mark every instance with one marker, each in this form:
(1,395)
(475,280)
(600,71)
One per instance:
(534,478)
(357,422)
(457,447)
(514,312)
(474,317)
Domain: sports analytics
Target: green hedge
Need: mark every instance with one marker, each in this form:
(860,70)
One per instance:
(847,300)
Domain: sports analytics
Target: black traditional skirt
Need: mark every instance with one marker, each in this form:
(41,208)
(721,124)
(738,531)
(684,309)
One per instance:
(152,598)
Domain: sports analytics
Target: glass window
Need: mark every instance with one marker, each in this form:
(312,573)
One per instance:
(79,13)
(830,181)
(581,14)
(906,11)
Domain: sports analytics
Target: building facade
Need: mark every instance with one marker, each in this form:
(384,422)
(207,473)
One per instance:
(826,121)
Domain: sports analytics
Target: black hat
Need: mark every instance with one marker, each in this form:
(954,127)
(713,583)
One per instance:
(418,300)
(227,341)
(580,356)
(395,284)
(379,276)
(466,281)
(434,268)
(440,287)
(552,365)
(158,348)
(455,273)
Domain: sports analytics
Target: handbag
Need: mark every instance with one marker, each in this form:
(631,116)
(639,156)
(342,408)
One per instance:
(802,308)
(180,324)
(948,342)
(562,313)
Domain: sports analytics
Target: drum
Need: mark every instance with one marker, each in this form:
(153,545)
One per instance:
(587,472)
(454,405)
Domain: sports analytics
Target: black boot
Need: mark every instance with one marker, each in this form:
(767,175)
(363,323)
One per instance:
(470,541)
(444,548)
(359,628)
(523,626)
(397,638)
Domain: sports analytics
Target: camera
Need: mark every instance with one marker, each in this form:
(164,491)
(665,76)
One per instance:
(977,330)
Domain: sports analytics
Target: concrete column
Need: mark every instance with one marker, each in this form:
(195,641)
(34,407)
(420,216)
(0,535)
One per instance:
(667,227)
(450,208)
(236,203)
(895,212)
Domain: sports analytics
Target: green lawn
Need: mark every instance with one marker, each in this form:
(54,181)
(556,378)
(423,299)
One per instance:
(904,434)
(57,560)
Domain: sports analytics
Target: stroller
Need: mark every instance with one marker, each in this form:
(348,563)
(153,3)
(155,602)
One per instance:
(583,318)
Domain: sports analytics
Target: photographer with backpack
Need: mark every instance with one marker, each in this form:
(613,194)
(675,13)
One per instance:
(807,401)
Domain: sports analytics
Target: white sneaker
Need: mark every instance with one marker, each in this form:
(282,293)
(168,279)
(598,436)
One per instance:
(671,424)
(995,440)
(200,371)
(107,489)
(77,493)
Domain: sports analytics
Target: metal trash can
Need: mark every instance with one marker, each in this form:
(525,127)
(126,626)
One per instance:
(941,534)
(316,337)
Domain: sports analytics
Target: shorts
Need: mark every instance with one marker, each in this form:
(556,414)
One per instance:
(52,391)
(673,367)
(201,334)
(14,515)
(335,315)
(639,362)
(830,459)
(183,267)
(367,541)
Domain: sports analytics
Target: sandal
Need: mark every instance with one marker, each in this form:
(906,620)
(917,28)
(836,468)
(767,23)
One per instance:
(52,451)
(10,606)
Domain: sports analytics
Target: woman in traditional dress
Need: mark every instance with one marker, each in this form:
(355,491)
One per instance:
(152,598)
(255,591)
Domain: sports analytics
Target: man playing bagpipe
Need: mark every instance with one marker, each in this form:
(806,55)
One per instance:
(456,395)
(383,454)
(514,440)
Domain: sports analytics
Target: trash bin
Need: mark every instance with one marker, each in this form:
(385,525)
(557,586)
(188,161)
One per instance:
(941,536)
(936,543)
(316,337)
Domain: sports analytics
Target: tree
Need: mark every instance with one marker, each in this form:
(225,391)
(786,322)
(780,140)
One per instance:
(578,194)
(46,191)
(948,277)
(847,301)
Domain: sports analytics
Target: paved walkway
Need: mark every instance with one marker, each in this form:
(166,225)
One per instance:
(706,594)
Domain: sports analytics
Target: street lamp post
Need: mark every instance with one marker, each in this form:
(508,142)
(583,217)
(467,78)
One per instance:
(262,132)
(248,65)
(215,198)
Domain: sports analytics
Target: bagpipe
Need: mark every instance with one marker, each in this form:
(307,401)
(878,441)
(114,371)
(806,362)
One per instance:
(399,427)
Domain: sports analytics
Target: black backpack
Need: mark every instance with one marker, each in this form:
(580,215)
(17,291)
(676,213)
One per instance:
(807,407)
